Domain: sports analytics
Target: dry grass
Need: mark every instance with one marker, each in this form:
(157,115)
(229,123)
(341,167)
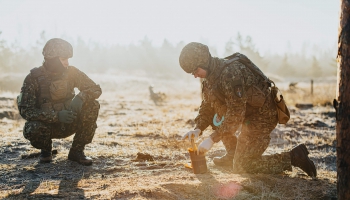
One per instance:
(323,94)
(129,123)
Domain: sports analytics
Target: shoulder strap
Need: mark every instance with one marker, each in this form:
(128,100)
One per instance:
(38,73)
(248,63)
(226,63)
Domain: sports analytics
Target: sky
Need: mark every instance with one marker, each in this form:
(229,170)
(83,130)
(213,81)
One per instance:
(276,26)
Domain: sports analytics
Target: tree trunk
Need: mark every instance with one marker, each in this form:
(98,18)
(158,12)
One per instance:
(342,105)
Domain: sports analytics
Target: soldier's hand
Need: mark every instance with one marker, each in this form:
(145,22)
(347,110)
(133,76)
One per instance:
(192,134)
(205,146)
(67,116)
(76,104)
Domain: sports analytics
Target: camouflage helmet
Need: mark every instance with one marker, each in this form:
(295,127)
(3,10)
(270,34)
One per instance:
(194,55)
(57,47)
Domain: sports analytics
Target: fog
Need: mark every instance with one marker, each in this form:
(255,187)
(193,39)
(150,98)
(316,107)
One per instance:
(311,63)
(288,40)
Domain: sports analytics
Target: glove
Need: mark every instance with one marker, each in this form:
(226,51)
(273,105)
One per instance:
(76,104)
(192,134)
(66,116)
(205,146)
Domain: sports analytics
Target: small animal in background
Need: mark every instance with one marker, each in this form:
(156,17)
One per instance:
(293,85)
(157,97)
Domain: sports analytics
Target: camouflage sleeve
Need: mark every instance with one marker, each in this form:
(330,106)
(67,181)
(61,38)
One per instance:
(235,98)
(206,112)
(26,102)
(89,90)
(205,115)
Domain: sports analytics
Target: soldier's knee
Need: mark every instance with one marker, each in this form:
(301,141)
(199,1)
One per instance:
(96,105)
(94,109)
(93,105)
(36,130)
(90,111)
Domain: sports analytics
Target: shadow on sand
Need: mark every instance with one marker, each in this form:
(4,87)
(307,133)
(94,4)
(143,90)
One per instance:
(65,173)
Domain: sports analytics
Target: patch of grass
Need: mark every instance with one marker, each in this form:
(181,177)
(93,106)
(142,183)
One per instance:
(323,94)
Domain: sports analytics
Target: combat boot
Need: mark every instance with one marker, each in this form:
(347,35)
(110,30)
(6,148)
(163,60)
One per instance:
(45,156)
(299,158)
(79,156)
(224,161)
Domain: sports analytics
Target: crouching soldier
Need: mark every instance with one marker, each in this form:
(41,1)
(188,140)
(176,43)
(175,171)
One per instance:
(236,93)
(52,110)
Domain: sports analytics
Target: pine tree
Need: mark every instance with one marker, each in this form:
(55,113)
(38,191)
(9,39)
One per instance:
(342,104)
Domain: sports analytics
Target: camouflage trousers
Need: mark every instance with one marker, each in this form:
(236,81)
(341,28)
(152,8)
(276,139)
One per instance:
(253,140)
(40,134)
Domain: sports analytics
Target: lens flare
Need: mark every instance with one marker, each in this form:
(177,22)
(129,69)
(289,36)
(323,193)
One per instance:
(227,190)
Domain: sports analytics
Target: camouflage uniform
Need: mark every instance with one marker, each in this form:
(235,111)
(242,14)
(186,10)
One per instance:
(231,90)
(39,104)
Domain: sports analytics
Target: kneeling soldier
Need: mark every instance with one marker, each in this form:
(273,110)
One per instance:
(52,110)
(236,93)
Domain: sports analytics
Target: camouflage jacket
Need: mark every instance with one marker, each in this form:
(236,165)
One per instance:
(229,91)
(30,101)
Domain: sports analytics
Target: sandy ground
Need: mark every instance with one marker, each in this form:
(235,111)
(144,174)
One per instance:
(130,123)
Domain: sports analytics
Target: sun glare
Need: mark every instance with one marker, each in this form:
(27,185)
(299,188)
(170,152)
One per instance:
(275,26)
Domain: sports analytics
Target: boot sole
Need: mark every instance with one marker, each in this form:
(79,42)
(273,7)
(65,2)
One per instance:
(45,161)
(305,151)
(221,164)
(82,163)
(314,168)
(312,163)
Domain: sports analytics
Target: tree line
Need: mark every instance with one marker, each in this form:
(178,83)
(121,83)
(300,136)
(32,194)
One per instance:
(95,57)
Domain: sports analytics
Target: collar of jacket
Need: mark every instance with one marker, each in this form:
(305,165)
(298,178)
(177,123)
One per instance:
(53,74)
(214,69)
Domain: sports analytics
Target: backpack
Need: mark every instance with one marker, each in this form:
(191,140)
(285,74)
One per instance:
(281,107)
